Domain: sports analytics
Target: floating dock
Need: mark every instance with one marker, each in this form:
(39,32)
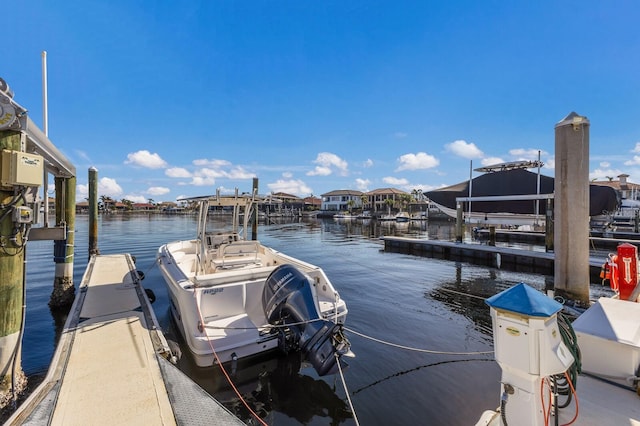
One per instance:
(111,364)
(483,254)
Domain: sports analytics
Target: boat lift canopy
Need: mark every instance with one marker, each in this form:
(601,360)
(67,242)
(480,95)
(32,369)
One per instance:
(14,117)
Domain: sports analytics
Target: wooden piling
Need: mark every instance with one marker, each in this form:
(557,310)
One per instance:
(93,211)
(548,226)
(63,290)
(11,288)
(254,219)
(459,220)
(571,208)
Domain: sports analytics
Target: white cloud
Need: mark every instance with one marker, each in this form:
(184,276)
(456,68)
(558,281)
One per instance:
(177,172)
(144,158)
(490,161)
(604,174)
(158,190)
(239,173)
(136,198)
(203,181)
(363,184)
(605,164)
(636,149)
(216,169)
(400,135)
(418,161)
(327,163)
(320,171)
(208,173)
(395,181)
(287,175)
(290,186)
(368,163)
(109,187)
(464,149)
(82,192)
(530,154)
(634,162)
(211,163)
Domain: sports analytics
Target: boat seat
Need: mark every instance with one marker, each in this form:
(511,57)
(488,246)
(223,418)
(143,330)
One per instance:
(237,254)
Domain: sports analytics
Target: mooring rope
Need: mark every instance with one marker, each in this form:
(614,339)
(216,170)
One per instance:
(224,371)
(346,390)
(428,351)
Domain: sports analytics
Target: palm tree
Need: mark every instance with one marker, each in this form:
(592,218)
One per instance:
(389,202)
(106,202)
(365,200)
(128,203)
(405,200)
(350,205)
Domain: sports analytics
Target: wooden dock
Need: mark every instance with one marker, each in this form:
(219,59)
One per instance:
(111,366)
(483,254)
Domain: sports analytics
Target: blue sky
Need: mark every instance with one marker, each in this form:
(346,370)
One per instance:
(170,99)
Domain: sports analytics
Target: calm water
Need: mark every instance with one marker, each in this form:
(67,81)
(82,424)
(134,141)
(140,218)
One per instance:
(407,300)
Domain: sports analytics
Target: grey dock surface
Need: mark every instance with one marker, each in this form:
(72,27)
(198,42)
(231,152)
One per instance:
(110,365)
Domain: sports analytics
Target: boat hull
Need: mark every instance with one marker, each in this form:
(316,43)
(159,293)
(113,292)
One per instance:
(220,314)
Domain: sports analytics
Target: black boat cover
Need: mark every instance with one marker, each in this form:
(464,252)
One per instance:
(602,199)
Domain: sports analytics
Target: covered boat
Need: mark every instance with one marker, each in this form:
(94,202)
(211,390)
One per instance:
(233,298)
(512,180)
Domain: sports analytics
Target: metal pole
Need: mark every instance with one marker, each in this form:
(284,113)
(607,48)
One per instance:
(470,186)
(538,189)
(45,121)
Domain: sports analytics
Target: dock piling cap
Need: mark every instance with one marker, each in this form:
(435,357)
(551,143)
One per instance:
(524,300)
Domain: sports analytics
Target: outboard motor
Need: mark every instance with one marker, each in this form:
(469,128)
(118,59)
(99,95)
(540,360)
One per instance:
(288,301)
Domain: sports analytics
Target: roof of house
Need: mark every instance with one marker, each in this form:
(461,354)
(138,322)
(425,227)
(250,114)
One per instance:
(343,192)
(386,191)
(285,196)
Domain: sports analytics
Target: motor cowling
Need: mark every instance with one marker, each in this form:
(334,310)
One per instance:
(288,301)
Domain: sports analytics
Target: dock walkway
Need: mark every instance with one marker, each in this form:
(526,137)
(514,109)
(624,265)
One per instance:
(508,258)
(110,365)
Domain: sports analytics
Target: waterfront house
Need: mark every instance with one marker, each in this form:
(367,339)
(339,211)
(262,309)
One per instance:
(383,199)
(342,200)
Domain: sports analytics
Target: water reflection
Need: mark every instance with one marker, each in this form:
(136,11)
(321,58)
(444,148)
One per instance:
(272,384)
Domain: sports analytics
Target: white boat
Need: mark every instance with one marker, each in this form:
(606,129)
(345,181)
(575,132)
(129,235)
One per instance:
(403,217)
(233,298)
(344,215)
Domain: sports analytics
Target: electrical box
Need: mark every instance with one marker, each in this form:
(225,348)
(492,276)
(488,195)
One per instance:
(22,214)
(21,168)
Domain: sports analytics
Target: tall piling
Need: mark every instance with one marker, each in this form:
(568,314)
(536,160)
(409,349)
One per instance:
(63,289)
(571,208)
(254,219)
(93,211)
(12,379)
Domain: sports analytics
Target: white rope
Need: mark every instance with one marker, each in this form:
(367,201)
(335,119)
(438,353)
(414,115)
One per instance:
(416,349)
(346,391)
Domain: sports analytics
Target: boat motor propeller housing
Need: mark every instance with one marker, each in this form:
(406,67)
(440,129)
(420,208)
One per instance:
(288,301)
